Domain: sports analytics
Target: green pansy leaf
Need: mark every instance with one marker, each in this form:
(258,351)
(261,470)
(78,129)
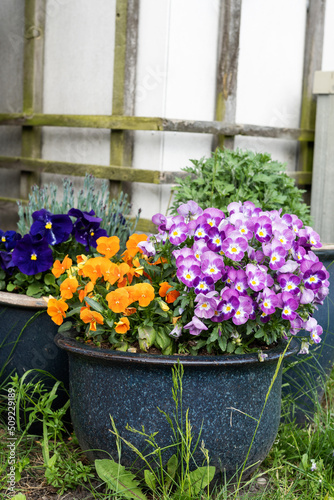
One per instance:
(34,290)
(94,304)
(65,327)
(10,287)
(49,279)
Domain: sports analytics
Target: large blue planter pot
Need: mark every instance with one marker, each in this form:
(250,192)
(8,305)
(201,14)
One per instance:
(304,383)
(26,338)
(221,392)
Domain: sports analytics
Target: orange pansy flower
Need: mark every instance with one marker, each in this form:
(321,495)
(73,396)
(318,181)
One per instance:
(108,246)
(92,268)
(68,288)
(169,297)
(60,267)
(92,317)
(145,293)
(85,291)
(122,326)
(118,300)
(56,309)
(132,243)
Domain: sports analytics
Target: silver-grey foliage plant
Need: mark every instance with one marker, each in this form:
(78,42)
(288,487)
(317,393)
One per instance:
(113,212)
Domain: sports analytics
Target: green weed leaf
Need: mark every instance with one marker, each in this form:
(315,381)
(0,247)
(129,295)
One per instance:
(196,481)
(118,479)
(150,479)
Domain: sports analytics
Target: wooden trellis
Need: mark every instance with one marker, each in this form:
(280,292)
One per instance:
(122,123)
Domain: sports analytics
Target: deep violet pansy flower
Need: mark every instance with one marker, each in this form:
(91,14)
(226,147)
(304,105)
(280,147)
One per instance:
(32,256)
(53,228)
(9,239)
(289,282)
(203,284)
(86,229)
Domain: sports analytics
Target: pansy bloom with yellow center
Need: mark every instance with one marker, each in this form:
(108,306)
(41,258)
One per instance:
(56,310)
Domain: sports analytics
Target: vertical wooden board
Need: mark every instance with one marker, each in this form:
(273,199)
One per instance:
(314,36)
(328,52)
(227,67)
(79,49)
(270,70)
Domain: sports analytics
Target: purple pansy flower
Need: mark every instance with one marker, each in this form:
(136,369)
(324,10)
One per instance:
(238,280)
(202,232)
(243,311)
(203,284)
(189,210)
(199,247)
(195,326)
(212,265)
(86,229)
(315,330)
(178,233)
(234,246)
(188,271)
(290,305)
(314,275)
(206,305)
(53,228)
(31,256)
(263,229)
(6,261)
(229,303)
(268,301)
(256,278)
(276,253)
(215,240)
(9,239)
(289,283)
(147,247)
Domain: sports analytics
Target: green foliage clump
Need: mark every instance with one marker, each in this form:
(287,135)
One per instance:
(233,176)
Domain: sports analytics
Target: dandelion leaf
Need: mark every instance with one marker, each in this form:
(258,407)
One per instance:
(118,479)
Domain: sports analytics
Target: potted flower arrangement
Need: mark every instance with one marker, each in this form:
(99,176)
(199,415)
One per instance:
(242,175)
(49,229)
(218,293)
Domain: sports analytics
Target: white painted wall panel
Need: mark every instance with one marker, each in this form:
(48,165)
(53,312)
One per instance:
(176,76)
(328,54)
(270,71)
(78,79)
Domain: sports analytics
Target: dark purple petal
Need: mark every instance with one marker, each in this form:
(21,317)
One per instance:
(32,257)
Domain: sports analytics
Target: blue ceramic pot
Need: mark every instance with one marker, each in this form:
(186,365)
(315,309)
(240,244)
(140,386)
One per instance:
(304,384)
(26,338)
(218,390)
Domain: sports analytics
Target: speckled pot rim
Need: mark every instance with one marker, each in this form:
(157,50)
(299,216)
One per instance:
(68,343)
(20,300)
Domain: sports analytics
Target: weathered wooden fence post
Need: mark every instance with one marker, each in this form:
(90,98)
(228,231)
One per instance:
(322,197)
